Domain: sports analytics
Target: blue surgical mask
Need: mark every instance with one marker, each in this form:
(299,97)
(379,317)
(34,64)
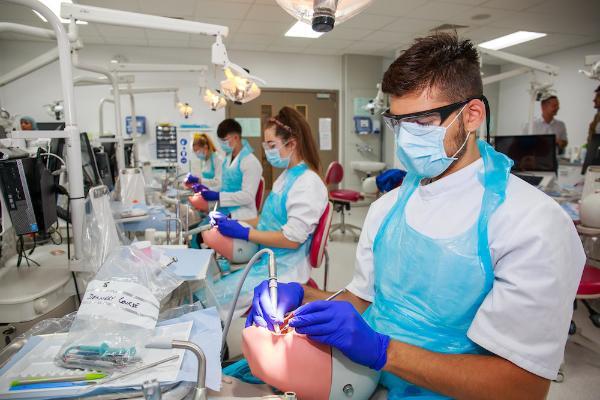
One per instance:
(275,159)
(421,148)
(226,147)
(201,156)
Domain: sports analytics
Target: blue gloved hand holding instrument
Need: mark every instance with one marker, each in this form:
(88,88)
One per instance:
(198,187)
(289,298)
(210,195)
(338,324)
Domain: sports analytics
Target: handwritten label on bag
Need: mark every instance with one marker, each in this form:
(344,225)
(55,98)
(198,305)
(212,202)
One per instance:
(125,302)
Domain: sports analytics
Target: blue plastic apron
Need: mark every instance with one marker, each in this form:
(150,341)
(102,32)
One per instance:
(427,291)
(233,176)
(273,218)
(209,174)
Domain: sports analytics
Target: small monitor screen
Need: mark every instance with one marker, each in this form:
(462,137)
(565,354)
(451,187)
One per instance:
(529,152)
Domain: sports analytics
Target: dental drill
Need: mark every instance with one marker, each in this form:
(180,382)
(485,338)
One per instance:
(246,270)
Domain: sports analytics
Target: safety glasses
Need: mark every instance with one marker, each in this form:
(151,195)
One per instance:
(271,145)
(433,118)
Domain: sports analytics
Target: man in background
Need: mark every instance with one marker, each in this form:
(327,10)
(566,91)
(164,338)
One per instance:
(548,125)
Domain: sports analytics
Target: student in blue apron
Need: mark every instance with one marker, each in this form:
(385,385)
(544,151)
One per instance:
(209,166)
(465,275)
(291,211)
(241,172)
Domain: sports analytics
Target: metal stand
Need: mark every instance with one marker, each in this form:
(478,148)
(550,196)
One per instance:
(343,226)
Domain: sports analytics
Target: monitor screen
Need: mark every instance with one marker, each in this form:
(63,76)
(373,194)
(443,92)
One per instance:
(50,126)
(529,152)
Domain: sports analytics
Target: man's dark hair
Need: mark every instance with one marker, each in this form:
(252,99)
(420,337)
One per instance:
(547,99)
(597,89)
(438,62)
(227,126)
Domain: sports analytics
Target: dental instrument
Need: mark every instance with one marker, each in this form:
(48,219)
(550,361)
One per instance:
(140,369)
(284,327)
(69,378)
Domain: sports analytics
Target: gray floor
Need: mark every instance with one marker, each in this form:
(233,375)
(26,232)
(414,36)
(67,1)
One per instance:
(582,354)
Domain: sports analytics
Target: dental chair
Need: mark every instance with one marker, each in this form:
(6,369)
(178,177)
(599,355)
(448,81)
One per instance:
(318,247)
(260,194)
(342,199)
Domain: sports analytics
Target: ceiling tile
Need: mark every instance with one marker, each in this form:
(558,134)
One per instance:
(389,37)
(220,9)
(321,52)
(439,11)
(394,8)
(364,46)
(368,21)
(411,25)
(467,18)
(263,12)
(18,36)
(179,8)
(164,35)
(465,2)
(549,23)
(292,43)
(100,40)
(580,8)
(347,33)
(483,34)
(283,49)
(245,38)
(168,43)
(248,47)
(512,5)
(332,43)
(119,31)
(273,28)
(125,5)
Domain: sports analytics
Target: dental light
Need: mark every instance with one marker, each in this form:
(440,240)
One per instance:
(55,109)
(594,62)
(184,109)
(214,100)
(239,89)
(322,15)
(377,104)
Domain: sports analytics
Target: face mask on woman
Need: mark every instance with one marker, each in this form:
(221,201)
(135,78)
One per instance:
(275,159)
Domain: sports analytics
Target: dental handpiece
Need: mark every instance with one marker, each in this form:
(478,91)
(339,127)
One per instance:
(273,281)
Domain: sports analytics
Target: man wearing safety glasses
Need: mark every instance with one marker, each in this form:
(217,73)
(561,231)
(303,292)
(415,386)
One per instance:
(465,275)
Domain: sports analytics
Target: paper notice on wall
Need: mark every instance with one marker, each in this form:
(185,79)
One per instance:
(250,126)
(325,141)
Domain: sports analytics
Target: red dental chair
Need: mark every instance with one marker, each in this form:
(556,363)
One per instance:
(318,247)
(342,199)
(260,194)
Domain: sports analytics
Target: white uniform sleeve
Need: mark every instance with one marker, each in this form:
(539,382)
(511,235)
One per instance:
(252,171)
(215,183)
(562,131)
(305,205)
(525,317)
(363,281)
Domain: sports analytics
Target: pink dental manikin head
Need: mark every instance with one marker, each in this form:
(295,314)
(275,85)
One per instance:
(292,363)
(237,251)
(198,202)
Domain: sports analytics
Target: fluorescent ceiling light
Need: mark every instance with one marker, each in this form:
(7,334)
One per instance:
(303,30)
(511,40)
(54,6)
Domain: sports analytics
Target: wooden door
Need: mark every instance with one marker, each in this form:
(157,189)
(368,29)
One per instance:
(312,104)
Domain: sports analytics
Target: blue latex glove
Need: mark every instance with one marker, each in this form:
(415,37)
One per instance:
(233,229)
(191,179)
(289,298)
(198,187)
(210,195)
(390,179)
(216,217)
(338,324)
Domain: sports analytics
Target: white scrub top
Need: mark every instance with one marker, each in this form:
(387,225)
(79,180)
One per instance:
(305,205)
(199,166)
(541,127)
(245,198)
(536,252)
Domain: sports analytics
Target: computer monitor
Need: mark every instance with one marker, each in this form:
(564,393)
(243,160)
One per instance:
(50,126)
(592,156)
(91,174)
(529,152)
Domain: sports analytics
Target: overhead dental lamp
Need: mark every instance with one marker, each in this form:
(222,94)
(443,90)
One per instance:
(55,109)
(237,88)
(322,15)
(184,109)
(594,62)
(214,100)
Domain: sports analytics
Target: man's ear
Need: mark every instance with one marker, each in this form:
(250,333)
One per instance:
(473,115)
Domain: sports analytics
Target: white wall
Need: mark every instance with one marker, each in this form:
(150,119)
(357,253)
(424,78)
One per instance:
(574,91)
(27,95)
